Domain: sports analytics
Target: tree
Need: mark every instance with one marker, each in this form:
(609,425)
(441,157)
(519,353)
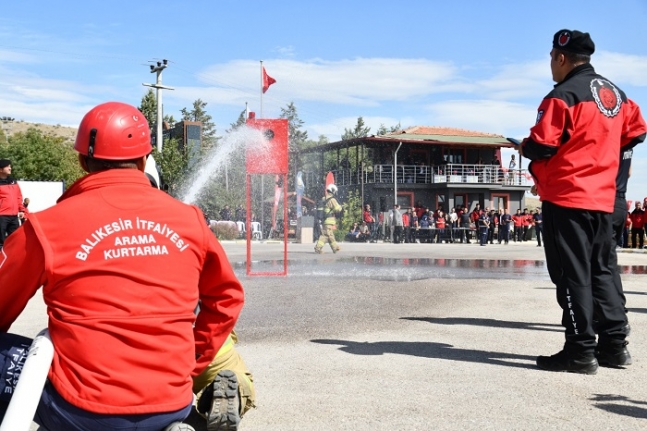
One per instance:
(241,120)
(173,164)
(297,137)
(170,121)
(383,130)
(198,113)
(148,107)
(360,131)
(40,157)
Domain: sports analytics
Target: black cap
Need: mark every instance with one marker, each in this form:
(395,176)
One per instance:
(573,41)
(4,163)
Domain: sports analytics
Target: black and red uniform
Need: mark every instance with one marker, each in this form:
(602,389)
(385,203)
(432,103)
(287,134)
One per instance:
(582,124)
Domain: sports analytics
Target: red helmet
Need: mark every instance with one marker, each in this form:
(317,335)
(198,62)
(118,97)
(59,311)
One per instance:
(114,131)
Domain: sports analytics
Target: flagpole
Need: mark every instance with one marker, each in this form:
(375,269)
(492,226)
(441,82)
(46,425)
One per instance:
(261,89)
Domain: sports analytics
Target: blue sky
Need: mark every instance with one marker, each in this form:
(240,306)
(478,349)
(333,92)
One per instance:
(477,65)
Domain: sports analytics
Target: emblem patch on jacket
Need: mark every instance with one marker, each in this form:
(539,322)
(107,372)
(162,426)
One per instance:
(606,96)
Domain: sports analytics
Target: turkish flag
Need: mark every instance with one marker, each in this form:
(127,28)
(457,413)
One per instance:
(267,80)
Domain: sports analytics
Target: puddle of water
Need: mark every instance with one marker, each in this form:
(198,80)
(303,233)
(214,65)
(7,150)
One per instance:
(409,269)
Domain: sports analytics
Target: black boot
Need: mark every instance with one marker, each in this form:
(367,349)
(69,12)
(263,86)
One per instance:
(614,356)
(571,362)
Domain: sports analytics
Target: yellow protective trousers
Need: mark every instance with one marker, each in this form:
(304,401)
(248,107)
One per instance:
(229,359)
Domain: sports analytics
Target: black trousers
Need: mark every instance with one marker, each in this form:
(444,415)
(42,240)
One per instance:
(8,225)
(578,247)
(397,234)
(618,219)
(504,233)
(539,231)
(637,234)
(518,232)
(490,234)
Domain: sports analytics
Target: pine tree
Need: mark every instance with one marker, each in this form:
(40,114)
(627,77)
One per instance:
(360,131)
(198,113)
(148,107)
(297,137)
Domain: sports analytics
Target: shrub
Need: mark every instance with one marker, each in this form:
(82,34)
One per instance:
(225,231)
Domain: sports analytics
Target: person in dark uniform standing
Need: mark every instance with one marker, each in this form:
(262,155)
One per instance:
(537,220)
(504,226)
(581,126)
(494,221)
(465,220)
(484,226)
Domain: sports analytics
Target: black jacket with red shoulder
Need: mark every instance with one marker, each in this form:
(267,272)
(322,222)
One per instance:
(581,126)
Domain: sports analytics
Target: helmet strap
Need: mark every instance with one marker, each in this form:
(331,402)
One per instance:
(93,138)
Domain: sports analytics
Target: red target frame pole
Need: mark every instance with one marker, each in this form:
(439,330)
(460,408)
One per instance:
(271,160)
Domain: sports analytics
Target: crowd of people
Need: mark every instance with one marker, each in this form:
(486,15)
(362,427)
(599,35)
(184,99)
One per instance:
(420,224)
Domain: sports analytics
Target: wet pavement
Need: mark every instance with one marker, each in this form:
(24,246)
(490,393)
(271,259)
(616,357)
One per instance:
(407,269)
(419,337)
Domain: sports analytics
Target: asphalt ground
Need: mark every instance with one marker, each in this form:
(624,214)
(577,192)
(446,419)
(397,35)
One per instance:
(419,337)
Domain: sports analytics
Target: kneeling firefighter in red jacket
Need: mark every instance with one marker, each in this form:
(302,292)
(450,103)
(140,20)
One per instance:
(122,266)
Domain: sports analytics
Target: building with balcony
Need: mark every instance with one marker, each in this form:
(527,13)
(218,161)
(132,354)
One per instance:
(431,165)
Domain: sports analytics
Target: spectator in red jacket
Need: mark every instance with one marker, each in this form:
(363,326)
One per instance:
(637,226)
(526,222)
(474,215)
(12,208)
(518,226)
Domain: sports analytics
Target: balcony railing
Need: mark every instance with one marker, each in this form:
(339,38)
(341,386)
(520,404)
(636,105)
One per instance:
(443,174)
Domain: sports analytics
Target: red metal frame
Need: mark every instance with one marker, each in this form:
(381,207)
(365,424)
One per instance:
(272,161)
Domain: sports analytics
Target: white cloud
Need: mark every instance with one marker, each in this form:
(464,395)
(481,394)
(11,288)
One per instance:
(360,82)
(7,56)
(517,81)
(491,116)
(285,51)
(622,68)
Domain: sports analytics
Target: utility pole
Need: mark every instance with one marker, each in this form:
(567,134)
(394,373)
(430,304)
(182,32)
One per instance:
(161,65)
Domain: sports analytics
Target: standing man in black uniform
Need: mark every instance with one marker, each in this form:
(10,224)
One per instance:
(465,220)
(538,220)
(582,124)
(494,221)
(619,217)
(483,226)
(504,226)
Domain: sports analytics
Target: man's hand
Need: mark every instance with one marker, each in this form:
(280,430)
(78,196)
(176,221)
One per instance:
(21,215)
(533,190)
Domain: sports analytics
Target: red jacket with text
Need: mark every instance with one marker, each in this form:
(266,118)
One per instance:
(574,146)
(10,197)
(122,266)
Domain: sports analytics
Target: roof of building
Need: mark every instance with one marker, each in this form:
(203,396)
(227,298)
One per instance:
(426,135)
(447,135)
